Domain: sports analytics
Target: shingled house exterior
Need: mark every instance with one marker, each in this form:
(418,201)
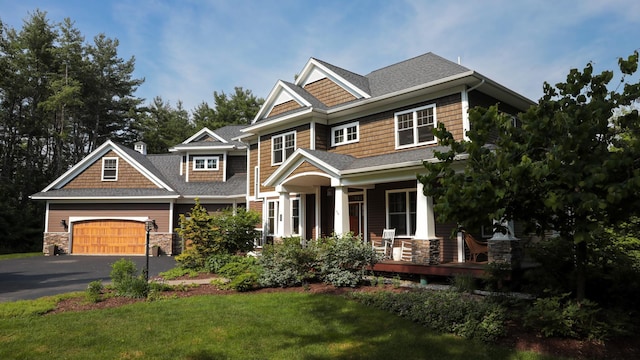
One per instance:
(101,204)
(332,152)
(336,151)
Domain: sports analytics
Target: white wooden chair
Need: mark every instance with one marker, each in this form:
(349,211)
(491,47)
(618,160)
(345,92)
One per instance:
(388,238)
(406,250)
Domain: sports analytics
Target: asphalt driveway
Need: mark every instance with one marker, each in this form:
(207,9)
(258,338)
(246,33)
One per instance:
(31,278)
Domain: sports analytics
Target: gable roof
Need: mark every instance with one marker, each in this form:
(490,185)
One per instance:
(421,72)
(218,139)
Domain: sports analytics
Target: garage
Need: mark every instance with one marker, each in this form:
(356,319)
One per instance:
(108,237)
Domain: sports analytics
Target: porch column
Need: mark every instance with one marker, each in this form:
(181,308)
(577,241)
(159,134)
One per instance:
(426,222)
(341,211)
(505,248)
(284,218)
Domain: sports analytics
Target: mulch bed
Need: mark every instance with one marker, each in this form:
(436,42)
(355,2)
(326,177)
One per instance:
(517,338)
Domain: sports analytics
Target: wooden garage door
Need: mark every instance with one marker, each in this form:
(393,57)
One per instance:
(108,237)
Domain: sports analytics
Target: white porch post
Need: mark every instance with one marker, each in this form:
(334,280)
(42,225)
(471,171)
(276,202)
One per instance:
(426,222)
(284,217)
(341,212)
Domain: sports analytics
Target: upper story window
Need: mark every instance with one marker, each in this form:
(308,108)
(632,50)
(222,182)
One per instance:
(109,169)
(205,163)
(345,134)
(282,146)
(415,126)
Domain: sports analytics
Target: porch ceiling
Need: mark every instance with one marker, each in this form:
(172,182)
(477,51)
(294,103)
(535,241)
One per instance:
(308,180)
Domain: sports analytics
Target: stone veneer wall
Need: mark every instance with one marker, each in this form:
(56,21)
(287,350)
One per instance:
(164,240)
(426,252)
(60,239)
(506,252)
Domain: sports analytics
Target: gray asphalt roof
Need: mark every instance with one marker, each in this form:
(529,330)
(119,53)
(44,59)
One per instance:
(419,70)
(347,162)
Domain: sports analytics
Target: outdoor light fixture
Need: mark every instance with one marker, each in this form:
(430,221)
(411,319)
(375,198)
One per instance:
(148,225)
(63,222)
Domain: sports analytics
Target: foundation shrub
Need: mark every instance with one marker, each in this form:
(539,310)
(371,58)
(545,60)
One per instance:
(287,264)
(344,260)
(243,273)
(93,294)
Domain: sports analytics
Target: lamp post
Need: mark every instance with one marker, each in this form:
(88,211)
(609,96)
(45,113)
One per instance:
(148,224)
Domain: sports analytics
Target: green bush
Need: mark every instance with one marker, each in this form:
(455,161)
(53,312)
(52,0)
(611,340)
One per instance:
(443,311)
(337,260)
(287,264)
(125,280)
(215,262)
(344,260)
(238,266)
(177,272)
(564,317)
(244,282)
(94,291)
(191,259)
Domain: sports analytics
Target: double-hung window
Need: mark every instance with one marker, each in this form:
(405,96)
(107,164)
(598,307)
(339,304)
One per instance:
(205,163)
(345,134)
(401,211)
(282,146)
(109,169)
(415,126)
(272,217)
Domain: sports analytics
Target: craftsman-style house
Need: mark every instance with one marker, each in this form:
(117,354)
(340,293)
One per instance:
(336,151)
(332,152)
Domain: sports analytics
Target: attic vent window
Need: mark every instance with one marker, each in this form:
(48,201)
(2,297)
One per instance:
(109,169)
(205,163)
(415,126)
(345,134)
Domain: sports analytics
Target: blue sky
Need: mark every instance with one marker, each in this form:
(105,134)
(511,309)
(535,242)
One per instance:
(186,49)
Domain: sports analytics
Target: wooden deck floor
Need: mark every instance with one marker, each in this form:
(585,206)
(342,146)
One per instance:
(447,269)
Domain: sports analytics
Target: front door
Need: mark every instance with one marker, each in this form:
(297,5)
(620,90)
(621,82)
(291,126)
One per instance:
(356,214)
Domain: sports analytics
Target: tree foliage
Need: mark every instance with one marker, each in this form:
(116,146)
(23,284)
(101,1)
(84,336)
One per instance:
(571,164)
(238,108)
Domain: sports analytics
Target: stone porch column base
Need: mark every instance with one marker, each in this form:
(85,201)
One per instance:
(508,251)
(426,251)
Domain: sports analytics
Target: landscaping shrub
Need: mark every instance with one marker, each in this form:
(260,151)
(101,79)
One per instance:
(243,273)
(94,291)
(287,264)
(443,311)
(125,280)
(191,259)
(214,263)
(344,260)
(561,316)
(177,272)
(337,260)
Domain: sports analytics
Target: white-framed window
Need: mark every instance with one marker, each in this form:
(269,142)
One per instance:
(345,134)
(110,169)
(401,211)
(295,216)
(415,126)
(272,217)
(203,163)
(282,146)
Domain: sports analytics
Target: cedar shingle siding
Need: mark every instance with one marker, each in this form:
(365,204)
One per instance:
(328,92)
(284,107)
(128,177)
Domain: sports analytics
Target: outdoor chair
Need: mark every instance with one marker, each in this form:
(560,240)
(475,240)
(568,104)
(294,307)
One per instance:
(406,252)
(475,247)
(380,247)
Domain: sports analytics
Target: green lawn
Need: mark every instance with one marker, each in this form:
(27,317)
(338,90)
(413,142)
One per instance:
(20,255)
(242,326)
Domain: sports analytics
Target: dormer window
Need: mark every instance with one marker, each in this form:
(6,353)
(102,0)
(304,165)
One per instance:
(109,169)
(345,134)
(203,163)
(282,146)
(415,126)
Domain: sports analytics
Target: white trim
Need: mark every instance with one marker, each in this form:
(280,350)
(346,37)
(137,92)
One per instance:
(204,131)
(46,217)
(344,128)
(314,70)
(105,159)
(206,163)
(224,166)
(256,182)
(415,126)
(186,167)
(406,191)
(274,95)
(312,135)
(466,125)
